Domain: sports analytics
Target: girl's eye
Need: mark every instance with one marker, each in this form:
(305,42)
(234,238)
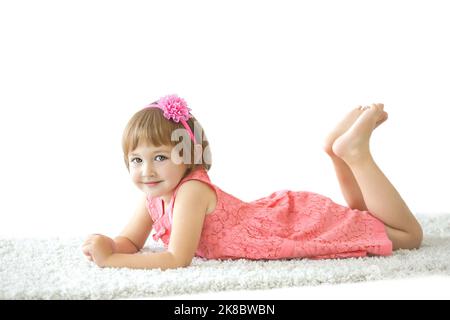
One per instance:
(158,158)
(163,157)
(136,160)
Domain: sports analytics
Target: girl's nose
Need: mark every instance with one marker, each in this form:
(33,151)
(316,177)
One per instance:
(148,170)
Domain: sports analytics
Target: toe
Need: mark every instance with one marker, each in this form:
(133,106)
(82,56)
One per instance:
(379,106)
(383,118)
(372,108)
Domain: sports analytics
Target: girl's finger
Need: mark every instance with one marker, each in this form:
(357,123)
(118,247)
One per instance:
(88,254)
(86,250)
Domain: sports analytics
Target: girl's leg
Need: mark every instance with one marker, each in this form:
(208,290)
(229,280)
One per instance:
(347,182)
(380,196)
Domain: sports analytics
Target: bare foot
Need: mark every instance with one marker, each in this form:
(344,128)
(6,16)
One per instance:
(353,145)
(344,125)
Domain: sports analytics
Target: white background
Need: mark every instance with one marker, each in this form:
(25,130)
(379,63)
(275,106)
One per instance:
(266,79)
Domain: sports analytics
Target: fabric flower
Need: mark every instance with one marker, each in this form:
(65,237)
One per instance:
(174,108)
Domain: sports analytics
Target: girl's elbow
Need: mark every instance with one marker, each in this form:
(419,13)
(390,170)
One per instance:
(182,262)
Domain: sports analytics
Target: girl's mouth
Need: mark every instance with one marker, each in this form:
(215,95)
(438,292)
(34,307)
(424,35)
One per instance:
(151,184)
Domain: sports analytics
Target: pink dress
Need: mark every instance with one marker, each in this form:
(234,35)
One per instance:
(286,224)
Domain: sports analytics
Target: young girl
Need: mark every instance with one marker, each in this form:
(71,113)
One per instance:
(194,217)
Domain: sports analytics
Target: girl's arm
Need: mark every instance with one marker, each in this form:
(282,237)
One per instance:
(188,215)
(124,245)
(160,260)
(133,237)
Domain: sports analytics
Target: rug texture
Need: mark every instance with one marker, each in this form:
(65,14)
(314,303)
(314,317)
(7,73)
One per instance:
(55,268)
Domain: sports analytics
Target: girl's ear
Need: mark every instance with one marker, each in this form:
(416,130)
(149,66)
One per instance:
(198,153)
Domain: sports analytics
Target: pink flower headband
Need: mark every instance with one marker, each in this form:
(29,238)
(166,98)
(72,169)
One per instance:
(175,108)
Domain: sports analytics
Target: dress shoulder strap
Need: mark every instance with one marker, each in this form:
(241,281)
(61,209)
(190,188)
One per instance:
(198,174)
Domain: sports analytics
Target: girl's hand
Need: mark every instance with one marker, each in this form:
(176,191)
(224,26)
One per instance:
(98,248)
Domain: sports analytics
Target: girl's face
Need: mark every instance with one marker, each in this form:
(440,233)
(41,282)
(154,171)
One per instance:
(153,170)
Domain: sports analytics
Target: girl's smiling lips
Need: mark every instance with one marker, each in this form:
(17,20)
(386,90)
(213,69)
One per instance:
(152,183)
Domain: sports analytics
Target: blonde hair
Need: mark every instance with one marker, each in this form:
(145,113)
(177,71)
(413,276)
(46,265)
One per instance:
(151,127)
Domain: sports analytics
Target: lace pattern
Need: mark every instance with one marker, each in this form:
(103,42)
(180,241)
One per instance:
(286,224)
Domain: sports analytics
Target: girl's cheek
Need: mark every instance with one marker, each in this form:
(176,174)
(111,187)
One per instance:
(134,174)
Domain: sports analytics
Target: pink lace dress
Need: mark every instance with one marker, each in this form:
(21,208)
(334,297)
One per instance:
(286,224)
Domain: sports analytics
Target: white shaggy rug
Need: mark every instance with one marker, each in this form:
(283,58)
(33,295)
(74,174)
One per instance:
(55,268)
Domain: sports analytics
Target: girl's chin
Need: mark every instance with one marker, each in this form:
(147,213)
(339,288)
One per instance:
(152,192)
